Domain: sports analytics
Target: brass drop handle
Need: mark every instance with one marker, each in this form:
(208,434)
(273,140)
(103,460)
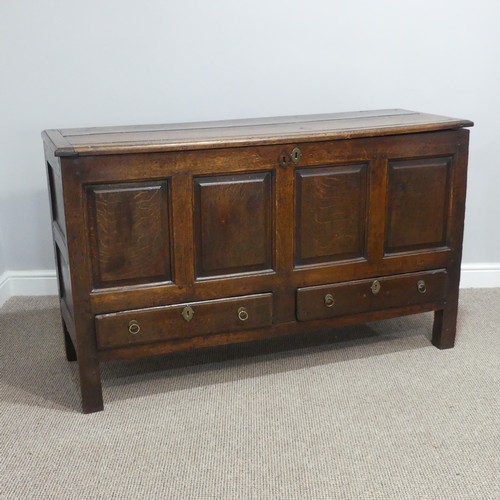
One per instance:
(421,286)
(134,327)
(329,300)
(242,314)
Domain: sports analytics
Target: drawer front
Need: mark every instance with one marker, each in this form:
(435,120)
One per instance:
(183,320)
(326,301)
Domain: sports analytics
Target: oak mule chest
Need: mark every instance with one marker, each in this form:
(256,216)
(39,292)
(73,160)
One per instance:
(184,236)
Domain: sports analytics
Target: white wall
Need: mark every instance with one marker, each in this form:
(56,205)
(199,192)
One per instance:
(117,62)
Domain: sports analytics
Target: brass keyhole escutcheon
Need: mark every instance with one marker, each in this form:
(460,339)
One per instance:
(296,155)
(134,327)
(242,314)
(329,300)
(284,159)
(421,286)
(376,287)
(188,313)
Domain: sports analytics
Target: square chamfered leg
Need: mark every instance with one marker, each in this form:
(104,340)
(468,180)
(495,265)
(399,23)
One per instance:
(88,366)
(445,327)
(445,320)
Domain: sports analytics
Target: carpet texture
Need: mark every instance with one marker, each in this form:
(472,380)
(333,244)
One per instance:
(385,416)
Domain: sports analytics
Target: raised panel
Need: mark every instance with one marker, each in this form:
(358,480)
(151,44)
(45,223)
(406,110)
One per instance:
(233,224)
(331,207)
(129,228)
(63,275)
(56,196)
(418,204)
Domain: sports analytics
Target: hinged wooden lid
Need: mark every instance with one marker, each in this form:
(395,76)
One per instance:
(235,133)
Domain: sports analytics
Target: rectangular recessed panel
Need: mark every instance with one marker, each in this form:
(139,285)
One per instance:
(63,275)
(418,204)
(130,233)
(233,223)
(331,205)
(56,197)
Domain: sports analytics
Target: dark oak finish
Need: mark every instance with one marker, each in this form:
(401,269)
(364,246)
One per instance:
(56,199)
(129,227)
(277,330)
(68,344)
(234,224)
(418,203)
(63,273)
(185,236)
(189,136)
(331,215)
(370,295)
(167,322)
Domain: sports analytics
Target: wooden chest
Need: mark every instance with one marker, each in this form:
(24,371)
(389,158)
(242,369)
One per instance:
(183,236)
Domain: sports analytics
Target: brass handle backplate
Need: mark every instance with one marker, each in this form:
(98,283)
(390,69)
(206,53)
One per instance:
(134,327)
(242,314)
(187,313)
(376,287)
(329,300)
(421,286)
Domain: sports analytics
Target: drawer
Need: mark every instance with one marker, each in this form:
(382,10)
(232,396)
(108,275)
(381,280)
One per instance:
(183,320)
(326,301)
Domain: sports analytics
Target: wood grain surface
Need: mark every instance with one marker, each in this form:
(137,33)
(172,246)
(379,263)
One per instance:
(149,138)
(266,214)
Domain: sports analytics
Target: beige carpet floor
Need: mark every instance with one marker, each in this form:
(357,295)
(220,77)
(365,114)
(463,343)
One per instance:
(385,416)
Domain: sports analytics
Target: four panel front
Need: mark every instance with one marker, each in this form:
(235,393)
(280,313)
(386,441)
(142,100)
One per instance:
(234,228)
